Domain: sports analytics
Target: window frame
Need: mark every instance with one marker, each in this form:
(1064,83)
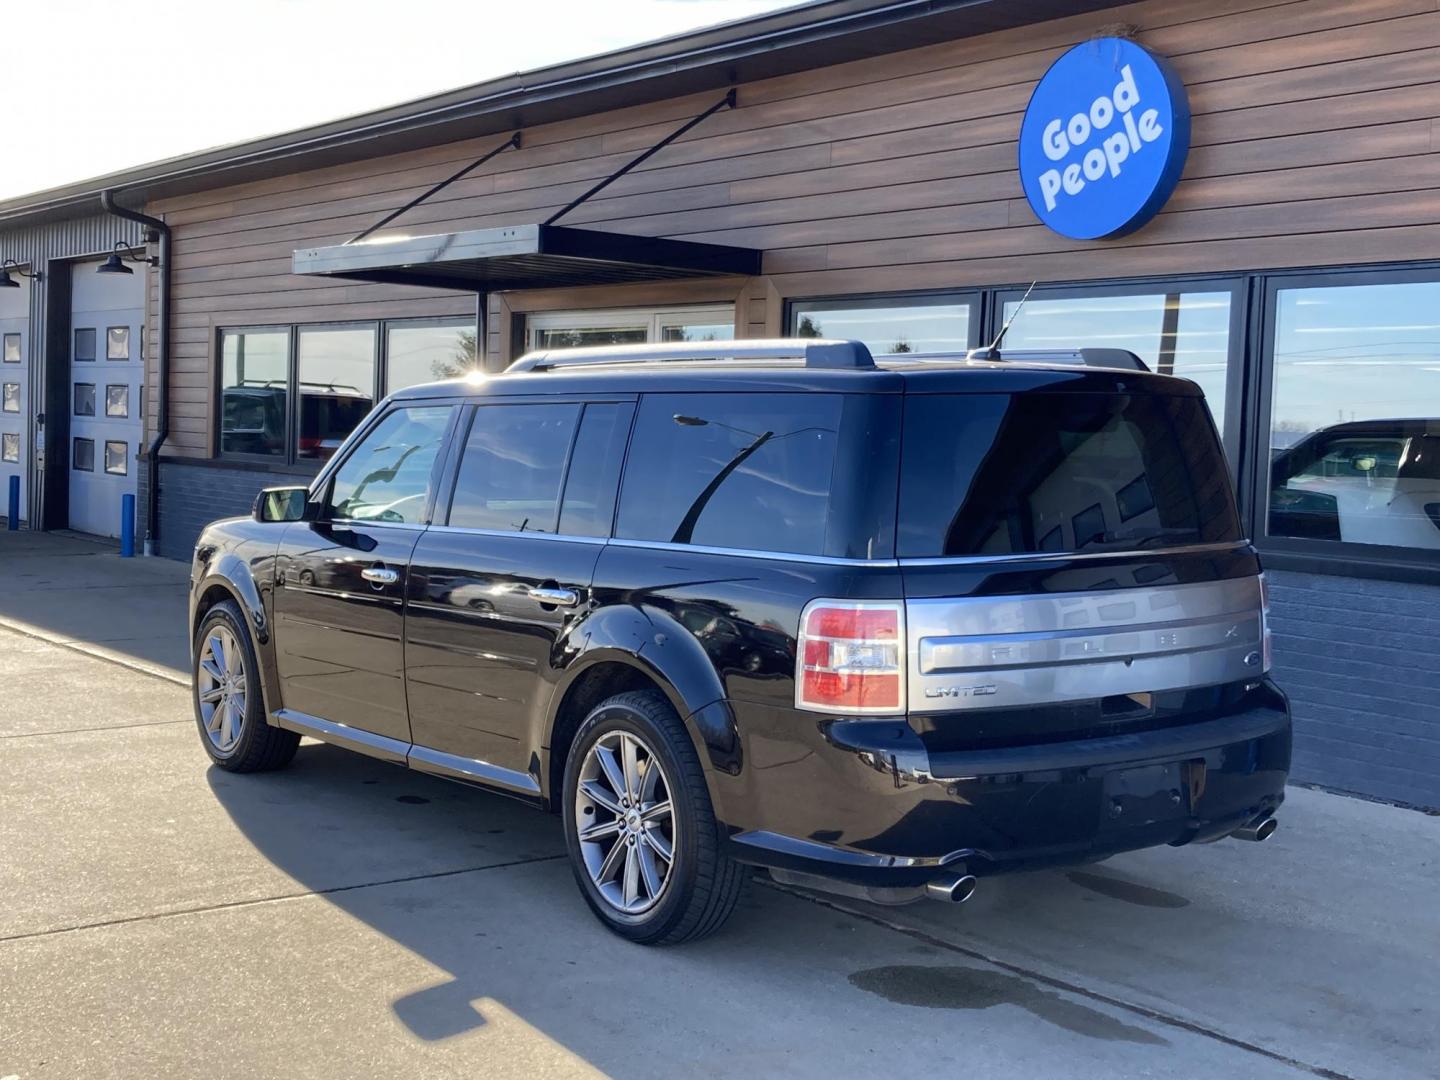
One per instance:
(124,469)
(5,401)
(1343,557)
(975,299)
(75,357)
(290,461)
(5,437)
(117,415)
(5,340)
(75,466)
(74,399)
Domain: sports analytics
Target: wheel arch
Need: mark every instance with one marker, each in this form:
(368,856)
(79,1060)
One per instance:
(229,578)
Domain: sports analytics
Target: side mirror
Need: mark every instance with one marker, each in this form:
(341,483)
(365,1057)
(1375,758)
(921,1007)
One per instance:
(281,504)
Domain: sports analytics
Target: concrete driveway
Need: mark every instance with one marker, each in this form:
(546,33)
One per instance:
(341,918)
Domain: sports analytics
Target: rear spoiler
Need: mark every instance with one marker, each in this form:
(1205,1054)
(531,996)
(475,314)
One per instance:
(1105,358)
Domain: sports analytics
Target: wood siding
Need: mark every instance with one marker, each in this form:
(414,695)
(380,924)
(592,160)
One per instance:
(1316,142)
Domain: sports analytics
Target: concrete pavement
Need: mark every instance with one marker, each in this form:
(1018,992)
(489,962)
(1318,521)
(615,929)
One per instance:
(76,590)
(160,918)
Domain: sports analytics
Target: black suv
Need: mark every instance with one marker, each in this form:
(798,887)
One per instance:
(882,628)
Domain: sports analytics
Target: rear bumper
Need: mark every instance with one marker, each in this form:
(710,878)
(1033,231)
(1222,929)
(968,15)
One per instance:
(874,808)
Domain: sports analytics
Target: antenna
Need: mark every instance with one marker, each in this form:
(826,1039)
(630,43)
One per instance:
(992,351)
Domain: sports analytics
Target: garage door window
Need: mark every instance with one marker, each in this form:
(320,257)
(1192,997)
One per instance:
(82,455)
(117,343)
(116,454)
(84,399)
(10,447)
(12,397)
(12,348)
(85,344)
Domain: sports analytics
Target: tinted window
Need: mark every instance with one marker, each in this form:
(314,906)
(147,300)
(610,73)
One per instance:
(387,477)
(337,376)
(993,474)
(732,470)
(423,352)
(253,380)
(922,324)
(513,468)
(590,486)
(1355,415)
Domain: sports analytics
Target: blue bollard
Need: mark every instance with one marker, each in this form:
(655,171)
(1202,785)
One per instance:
(12,519)
(127,526)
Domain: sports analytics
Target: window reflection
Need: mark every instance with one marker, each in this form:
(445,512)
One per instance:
(424,353)
(888,328)
(336,380)
(253,391)
(1175,333)
(1355,414)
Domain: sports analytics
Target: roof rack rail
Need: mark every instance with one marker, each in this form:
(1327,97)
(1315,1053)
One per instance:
(1106,358)
(816,352)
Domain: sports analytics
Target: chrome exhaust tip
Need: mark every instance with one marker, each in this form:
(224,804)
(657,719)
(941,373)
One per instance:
(953,888)
(1259,829)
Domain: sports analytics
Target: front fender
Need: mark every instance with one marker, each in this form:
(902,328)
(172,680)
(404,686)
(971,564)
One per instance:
(653,642)
(244,568)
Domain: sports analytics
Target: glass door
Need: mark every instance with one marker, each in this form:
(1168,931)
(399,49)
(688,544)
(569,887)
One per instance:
(634,326)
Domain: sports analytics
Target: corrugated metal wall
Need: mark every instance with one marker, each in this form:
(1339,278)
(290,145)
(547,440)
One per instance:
(35,247)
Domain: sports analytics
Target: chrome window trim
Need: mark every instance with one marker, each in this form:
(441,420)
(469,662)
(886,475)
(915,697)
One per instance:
(468,531)
(752,553)
(1070,556)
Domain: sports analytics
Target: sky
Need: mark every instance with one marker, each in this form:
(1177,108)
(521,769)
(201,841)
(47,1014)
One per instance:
(92,86)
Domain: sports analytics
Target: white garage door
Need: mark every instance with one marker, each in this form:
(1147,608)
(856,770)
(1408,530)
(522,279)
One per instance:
(14,391)
(106,374)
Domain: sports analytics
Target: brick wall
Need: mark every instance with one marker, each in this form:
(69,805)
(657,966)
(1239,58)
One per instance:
(192,496)
(1360,660)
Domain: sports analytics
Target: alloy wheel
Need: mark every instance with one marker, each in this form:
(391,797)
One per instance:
(625,822)
(220,682)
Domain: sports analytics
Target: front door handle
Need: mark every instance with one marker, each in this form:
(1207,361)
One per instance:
(558,597)
(380,575)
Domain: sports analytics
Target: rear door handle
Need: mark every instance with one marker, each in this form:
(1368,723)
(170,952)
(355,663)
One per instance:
(380,575)
(558,597)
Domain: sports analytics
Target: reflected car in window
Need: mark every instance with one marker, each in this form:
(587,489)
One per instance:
(1364,482)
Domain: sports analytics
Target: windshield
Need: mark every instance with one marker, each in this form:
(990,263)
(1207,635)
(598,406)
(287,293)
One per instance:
(996,474)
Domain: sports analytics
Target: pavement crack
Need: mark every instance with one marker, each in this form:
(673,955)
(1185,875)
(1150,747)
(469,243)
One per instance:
(1051,981)
(202,909)
(88,730)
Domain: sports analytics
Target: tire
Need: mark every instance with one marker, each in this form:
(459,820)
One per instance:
(256,746)
(701,886)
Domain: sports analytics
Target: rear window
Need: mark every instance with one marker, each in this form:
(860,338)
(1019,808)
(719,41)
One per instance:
(996,474)
(812,474)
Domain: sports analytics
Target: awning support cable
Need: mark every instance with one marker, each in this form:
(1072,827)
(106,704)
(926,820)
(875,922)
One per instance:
(727,102)
(513,141)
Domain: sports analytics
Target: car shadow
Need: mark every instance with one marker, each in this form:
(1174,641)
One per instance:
(478,886)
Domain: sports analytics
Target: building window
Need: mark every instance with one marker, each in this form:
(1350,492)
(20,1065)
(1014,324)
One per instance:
(254,391)
(117,343)
(1184,330)
(422,352)
(116,455)
(82,457)
(117,400)
(579,329)
(336,376)
(84,399)
(85,345)
(293,393)
(1354,414)
(12,397)
(10,447)
(12,348)
(893,324)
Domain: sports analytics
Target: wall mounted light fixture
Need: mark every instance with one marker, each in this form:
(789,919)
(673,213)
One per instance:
(7,282)
(115,264)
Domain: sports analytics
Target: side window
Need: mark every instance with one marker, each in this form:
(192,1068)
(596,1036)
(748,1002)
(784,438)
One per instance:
(594,477)
(732,471)
(513,468)
(387,477)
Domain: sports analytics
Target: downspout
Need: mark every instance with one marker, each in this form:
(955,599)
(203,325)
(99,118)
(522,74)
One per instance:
(157,229)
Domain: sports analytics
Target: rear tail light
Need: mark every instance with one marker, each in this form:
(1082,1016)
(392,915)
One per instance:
(1266,650)
(851,657)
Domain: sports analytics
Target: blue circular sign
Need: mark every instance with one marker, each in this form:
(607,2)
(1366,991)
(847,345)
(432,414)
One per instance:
(1104,139)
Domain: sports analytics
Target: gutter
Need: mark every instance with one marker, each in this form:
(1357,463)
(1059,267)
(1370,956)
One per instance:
(156,230)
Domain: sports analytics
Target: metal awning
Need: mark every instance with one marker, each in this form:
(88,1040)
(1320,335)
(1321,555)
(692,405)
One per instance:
(524,257)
